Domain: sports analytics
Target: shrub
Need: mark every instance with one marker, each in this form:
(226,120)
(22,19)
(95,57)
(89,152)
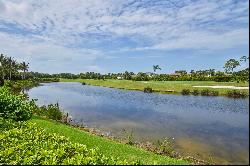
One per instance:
(47,80)
(222,78)
(214,93)
(1,82)
(196,92)
(185,92)
(207,92)
(28,144)
(148,90)
(236,94)
(15,107)
(52,111)
(166,147)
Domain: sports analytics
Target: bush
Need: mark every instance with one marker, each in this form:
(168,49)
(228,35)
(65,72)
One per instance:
(222,78)
(1,82)
(166,147)
(207,92)
(185,92)
(28,144)
(196,92)
(47,80)
(52,111)
(236,94)
(148,90)
(15,107)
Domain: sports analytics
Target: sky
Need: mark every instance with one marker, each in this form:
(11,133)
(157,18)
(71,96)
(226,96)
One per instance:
(117,35)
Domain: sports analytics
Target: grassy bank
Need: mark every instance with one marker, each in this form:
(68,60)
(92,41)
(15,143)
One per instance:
(159,86)
(107,147)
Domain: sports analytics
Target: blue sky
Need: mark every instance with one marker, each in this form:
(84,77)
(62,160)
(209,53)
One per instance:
(117,35)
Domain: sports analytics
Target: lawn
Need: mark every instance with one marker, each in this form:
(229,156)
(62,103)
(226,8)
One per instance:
(106,146)
(160,86)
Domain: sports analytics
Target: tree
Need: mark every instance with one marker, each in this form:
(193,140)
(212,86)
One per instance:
(24,67)
(2,65)
(230,65)
(244,58)
(181,72)
(127,75)
(156,67)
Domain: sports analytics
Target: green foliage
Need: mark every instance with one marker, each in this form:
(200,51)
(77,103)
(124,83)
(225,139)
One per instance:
(1,82)
(28,144)
(166,147)
(148,90)
(129,137)
(47,80)
(185,92)
(222,78)
(18,86)
(208,92)
(156,67)
(236,94)
(141,77)
(196,92)
(15,107)
(230,65)
(52,111)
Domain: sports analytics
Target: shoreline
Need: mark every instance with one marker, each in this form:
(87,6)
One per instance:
(222,91)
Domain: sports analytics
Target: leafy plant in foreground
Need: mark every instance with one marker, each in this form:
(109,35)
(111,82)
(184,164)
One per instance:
(52,111)
(28,144)
(15,107)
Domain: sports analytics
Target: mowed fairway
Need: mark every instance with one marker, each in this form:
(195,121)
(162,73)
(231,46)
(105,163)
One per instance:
(159,86)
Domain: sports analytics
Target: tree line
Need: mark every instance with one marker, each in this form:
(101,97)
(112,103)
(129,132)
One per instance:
(12,70)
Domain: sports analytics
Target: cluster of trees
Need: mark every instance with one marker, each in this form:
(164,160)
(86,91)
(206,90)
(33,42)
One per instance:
(12,70)
(182,75)
(231,64)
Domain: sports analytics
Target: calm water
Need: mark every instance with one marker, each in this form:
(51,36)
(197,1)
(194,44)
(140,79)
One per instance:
(201,126)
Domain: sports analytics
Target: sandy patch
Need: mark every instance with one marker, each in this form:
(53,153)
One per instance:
(223,87)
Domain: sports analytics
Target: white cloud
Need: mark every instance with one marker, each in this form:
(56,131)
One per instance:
(75,29)
(45,56)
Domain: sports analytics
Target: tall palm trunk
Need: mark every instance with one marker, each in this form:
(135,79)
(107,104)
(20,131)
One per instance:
(24,73)
(10,73)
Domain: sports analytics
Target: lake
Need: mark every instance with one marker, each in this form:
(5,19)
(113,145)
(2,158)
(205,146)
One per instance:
(214,128)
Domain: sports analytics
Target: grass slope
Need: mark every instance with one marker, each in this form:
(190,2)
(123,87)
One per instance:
(107,147)
(160,86)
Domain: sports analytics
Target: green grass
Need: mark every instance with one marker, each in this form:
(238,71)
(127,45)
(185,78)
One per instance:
(159,86)
(106,146)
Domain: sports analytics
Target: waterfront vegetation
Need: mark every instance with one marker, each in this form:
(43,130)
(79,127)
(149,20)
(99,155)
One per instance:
(43,135)
(173,87)
(24,140)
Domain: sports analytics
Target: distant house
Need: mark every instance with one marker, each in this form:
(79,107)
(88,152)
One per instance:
(175,74)
(119,78)
(150,74)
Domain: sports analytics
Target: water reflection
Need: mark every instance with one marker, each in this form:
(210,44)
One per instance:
(203,126)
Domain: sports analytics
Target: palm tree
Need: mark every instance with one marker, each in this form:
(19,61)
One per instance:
(2,64)
(156,67)
(244,59)
(9,64)
(24,67)
(230,65)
